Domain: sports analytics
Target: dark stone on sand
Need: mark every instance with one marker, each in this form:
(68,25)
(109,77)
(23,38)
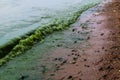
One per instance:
(113,33)
(97,51)
(60,59)
(74,50)
(53,41)
(118,32)
(43,68)
(88,37)
(87,66)
(103,48)
(68,54)
(57,66)
(23,77)
(106,50)
(59,45)
(109,67)
(115,47)
(65,61)
(78,55)
(73,30)
(55,59)
(85,59)
(104,76)
(52,74)
(72,53)
(101,69)
(72,62)
(78,32)
(102,34)
(70,77)
(75,41)
(75,58)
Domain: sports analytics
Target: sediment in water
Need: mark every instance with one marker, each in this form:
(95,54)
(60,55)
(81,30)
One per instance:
(20,45)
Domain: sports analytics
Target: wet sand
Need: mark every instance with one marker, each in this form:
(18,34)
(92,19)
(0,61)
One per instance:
(98,56)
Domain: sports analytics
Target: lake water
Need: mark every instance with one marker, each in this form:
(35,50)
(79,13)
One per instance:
(17,17)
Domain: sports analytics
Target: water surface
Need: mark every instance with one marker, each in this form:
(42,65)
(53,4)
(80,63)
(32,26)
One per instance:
(17,17)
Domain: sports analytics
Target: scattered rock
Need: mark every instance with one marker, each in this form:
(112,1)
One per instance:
(87,65)
(70,77)
(55,59)
(59,59)
(103,48)
(43,68)
(72,62)
(101,69)
(108,67)
(59,45)
(75,41)
(65,61)
(106,50)
(23,77)
(74,50)
(85,59)
(104,76)
(75,58)
(73,30)
(78,32)
(97,51)
(102,34)
(52,74)
(88,37)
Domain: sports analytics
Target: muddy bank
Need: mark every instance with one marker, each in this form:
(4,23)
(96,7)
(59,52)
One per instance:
(98,58)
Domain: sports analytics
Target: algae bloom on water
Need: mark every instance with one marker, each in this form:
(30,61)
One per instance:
(25,22)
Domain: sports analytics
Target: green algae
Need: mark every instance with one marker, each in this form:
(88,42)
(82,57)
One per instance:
(19,46)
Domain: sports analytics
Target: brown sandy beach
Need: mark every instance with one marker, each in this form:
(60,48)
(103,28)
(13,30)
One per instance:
(98,56)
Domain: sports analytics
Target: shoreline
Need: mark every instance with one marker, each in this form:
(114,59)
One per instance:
(98,57)
(88,50)
(37,36)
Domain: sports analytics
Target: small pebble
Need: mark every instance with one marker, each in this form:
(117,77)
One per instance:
(70,77)
(102,34)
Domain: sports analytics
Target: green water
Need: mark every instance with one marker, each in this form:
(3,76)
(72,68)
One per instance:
(29,63)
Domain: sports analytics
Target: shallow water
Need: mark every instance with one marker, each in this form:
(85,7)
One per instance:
(20,16)
(22,65)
